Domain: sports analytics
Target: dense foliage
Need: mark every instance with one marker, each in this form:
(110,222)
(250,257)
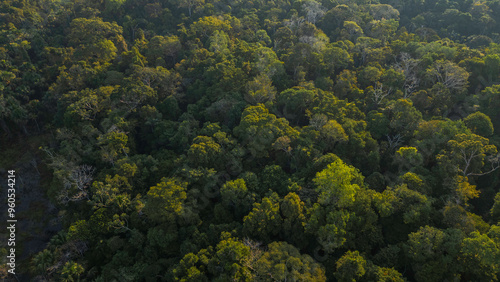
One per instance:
(197,140)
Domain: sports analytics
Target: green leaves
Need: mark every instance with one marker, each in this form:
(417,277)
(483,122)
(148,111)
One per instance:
(468,153)
(481,256)
(479,124)
(338,184)
(283,261)
(350,267)
(434,253)
(264,221)
(166,200)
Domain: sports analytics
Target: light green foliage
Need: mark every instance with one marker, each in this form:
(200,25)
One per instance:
(338,184)
(236,196)
(205,26)
(294,219)
(96,38)
(332,133)
(385,274)
(260,90)
(415,182)
(112,193)
(229,259)
(464,191)
(351,31)
(166,200)
(495,210)
(259,129)
(468,153)
(408,157)
(113,144)
(204,152)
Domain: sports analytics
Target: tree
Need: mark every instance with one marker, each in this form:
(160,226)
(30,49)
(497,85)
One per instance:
(166,200)
(190,4)
(42,261)
(205,152)
(434,253)
(351,31)
(314,11)
(160,47)
(95,38)
(284,262)
(113,144)
(468,153)
(338,184)
(479,255)
(229,259)
(407,158)
(71,272)
(294,220)
(350,267)
(449,74)
(495,209)
(408,66)
(264,221)
(479,124)
(464,191)
(333,133)
(236,197)
(260,90)
(383,11)
(404,117)
(259,129)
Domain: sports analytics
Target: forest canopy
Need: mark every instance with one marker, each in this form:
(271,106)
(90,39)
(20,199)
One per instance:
(287,140)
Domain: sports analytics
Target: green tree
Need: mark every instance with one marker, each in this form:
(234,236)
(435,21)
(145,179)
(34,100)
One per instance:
(205,152)
(434,253)
(480,256)
(71,271)
(235,196)
(338,184)
(283,261)
(259,129)
(468,153)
